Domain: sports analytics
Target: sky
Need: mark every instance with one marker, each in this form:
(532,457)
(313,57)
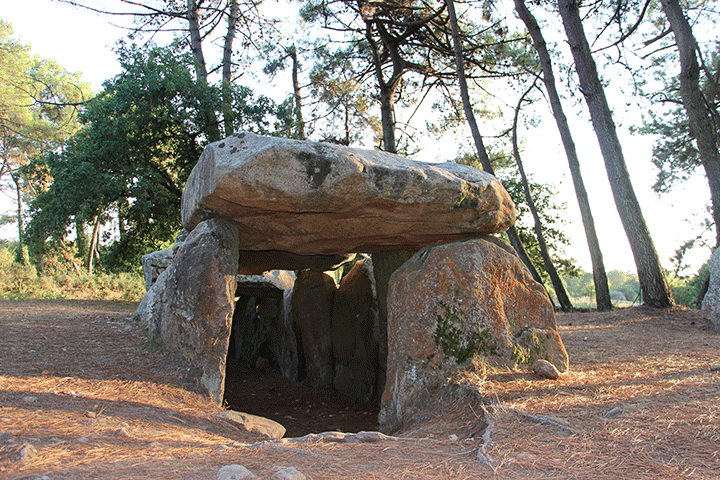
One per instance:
(82,41)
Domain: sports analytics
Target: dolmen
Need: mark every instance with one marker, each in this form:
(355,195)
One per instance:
(429,289)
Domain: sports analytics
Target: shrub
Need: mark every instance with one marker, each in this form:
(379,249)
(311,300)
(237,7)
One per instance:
(57,279)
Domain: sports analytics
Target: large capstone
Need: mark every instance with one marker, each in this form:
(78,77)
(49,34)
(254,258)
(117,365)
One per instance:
(311,198)
(454,304)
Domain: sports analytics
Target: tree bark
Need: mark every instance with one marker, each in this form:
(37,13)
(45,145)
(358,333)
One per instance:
(300,123)
(92,248)
(228,114)
(20,256)
(602,291)
(656,292)
(193,18)
(560,292)
(696,105)
(477,138)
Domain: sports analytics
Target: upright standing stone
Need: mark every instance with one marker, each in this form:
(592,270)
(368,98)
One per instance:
(312,300)
(190,306)
(384,265)
(711,302)
(355,334)
(454,303)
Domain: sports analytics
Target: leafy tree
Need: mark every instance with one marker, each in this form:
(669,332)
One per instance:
(699,104)
(343,99)
(129,162)
(39,102)
(552,217)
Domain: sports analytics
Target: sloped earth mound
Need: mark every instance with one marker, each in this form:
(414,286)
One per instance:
(83,395)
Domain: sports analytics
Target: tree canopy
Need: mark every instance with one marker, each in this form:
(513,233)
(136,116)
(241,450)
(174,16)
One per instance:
(138,141)
(39,104)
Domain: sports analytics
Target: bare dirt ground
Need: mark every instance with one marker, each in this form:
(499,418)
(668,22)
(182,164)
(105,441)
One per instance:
(84,396)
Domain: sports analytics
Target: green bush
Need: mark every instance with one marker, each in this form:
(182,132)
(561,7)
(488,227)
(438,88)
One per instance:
(59,280)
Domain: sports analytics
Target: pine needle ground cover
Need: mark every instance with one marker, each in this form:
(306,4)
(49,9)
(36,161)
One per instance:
(84,395)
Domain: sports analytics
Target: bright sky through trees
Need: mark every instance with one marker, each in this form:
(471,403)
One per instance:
(83,41)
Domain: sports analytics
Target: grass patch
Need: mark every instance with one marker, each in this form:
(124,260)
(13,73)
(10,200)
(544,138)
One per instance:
(18,282)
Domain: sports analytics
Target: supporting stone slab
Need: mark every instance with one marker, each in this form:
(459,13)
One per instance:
(190,306)
(454,304)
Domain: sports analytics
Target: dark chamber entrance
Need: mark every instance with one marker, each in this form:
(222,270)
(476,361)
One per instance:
(256,384)
(301,409)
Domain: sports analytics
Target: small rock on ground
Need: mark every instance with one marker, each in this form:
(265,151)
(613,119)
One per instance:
(235,472)
(546,370)
(287,473)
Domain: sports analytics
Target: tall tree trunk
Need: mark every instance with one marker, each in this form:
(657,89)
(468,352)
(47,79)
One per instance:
(228,114)
(560,292)
(20,256)
(81,240)
(656,292)
(602,291)
(704,129)
(299,122)
(93,247)
(477,138)
(193,18)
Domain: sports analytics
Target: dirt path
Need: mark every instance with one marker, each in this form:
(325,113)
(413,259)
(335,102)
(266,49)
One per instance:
(82,395)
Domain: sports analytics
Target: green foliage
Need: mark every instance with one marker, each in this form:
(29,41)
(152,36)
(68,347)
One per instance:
(39,102)
(19,281)
(139,140)
(337,85)
(553,219)
(686,289)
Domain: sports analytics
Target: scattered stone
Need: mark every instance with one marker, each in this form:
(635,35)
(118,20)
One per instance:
(286,473)
(26,452)
(252,423)
(613,412)
(235,472)
(546,370)
(316,198)
(122,432)
(30,399)
(91,414)
(83,439)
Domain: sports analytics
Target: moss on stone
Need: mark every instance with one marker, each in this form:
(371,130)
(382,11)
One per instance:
(458,338)
(530,346)
(466,199)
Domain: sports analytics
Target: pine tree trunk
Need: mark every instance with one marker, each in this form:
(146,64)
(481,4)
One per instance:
(193,18)
(699,115)
(656,292)
(602,291)
(560,292)
(228,114)
(477,138)
(299,122)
